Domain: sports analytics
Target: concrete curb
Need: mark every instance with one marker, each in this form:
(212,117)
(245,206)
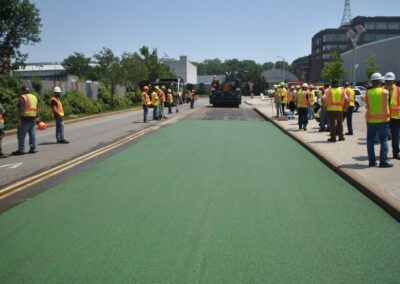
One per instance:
(372,191)
(53,124)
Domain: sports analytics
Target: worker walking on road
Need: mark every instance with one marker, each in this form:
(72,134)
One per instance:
(27,114)
(170,101)
(58,114)
(155,101)
(377,117)
(348,115)
(336,102)
(302,98)
(2,112)
(145,103)
(394,106)
(192,98)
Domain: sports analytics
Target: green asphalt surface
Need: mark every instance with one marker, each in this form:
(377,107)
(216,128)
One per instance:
(202,202)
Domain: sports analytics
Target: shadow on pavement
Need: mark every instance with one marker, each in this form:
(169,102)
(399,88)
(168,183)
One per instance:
(47,143)
(354,166)
(361,158)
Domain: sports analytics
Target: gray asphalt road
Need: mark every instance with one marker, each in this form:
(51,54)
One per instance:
(84,136)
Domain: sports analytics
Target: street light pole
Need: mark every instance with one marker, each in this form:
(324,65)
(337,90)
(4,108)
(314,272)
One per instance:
(353,70)
(283,67)
(354,35)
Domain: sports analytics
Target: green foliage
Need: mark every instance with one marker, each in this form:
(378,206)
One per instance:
(9,93)
(372,65)
(134,96)
(106,100)
(77,64)
(36,84)
(75,102)
(19,25)
(334,69)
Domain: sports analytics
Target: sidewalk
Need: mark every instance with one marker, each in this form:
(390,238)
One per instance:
(348,158)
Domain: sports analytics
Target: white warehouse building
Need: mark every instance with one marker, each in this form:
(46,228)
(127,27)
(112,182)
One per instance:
(183,68)
(387,58)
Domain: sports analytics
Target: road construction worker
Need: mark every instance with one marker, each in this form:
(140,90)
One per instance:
(323,114)
(394,106)
(291,99)
(170,100)
(283,96)
(310,111)
(277,100)
(303,100)
(57,111)
(161,96)
(215,83)
(349,113)
(155,101)
(378,119)
(335,102)
(27,115)
(2,112)
(145,103)
(192,98)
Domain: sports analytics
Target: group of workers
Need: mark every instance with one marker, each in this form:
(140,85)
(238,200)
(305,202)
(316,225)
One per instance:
(159,98)
(336,104)
(28,117)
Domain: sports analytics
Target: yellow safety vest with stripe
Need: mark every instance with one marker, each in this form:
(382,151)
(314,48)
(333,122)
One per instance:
(154,99)
(162,96)
(31,103)
(395,103)
(350,95)
(334,99)
(292,96)
(145,99)
(284,95)
(277,96)
(302,101)
(311,99)
(59,107)
(377,100)
(170,98)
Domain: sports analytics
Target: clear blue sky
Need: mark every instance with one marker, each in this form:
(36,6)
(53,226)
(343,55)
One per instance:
(259,30)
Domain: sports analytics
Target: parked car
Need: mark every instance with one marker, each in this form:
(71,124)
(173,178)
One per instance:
(359,99)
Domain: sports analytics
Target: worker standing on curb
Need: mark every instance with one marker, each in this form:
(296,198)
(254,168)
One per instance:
(155,102)
(145,103)
(2,112)
(394,105)
(378,117)
(58,114)
(277,100)
(323,117)
(283,97)
(310,111)
(170,101)
(302,99)
(336,102)
(27,114)
(291,98)
(349,113)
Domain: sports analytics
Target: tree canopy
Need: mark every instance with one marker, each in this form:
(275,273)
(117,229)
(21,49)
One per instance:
(333,70)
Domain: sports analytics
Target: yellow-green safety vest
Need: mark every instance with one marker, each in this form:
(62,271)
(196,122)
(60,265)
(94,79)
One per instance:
(377,106)
(31,103)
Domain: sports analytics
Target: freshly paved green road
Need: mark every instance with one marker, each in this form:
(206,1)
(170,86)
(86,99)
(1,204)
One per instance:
(233,201)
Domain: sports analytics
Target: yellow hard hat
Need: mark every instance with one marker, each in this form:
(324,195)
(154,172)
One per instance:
(169,91)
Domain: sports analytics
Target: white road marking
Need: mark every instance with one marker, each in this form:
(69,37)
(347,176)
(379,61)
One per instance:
(11,166)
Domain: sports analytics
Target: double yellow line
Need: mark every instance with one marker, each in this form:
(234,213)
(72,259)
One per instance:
(28,182)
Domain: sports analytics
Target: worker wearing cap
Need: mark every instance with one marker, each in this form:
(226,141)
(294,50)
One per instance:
(335,102)
(2,112)
(394,106)
(303,101)
(310,111)
(349,113)
(57,111)
(27,114)
(170,100)
(155,101)
(145,103)
(378,119)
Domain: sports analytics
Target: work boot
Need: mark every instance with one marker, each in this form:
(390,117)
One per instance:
(63,141)
(372,164)
(32,151)
(341,139)
(331,140)
(397,157)
(348,133)
(18,153)
(385,165)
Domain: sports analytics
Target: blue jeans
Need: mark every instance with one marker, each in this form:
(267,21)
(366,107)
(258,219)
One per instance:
(349,116)
(278,108)
(59,128)
(27,127)
(324,120)
(310,112)
(145,112)
(155,112)
(303,120)
(394,127)
(192,103)
(382,129)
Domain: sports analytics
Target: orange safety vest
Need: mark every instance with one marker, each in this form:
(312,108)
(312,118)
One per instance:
(59,108)
(377,106)
(145,99)
(335,99)
(292,96)
(302,101)
(31,102)
(170,98)
(162,96)
(350,95)
(1,119)
(394,104)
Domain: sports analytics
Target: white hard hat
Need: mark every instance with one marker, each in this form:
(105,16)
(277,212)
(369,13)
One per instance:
(305,85)
(57,90)
(390,76)
(376,77)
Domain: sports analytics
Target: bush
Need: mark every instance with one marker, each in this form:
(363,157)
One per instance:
(9,93)
(104,98)
(134,96)
(76,102)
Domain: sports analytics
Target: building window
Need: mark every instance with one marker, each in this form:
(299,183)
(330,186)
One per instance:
(334,37)
(326,56)
(381,26)
(370,26)
(393,26)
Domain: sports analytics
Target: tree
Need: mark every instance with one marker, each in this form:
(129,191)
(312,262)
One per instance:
(19,25)
(155,68)
(372,65)
(268,65)
(334,69)
(281,65)
(77,64)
